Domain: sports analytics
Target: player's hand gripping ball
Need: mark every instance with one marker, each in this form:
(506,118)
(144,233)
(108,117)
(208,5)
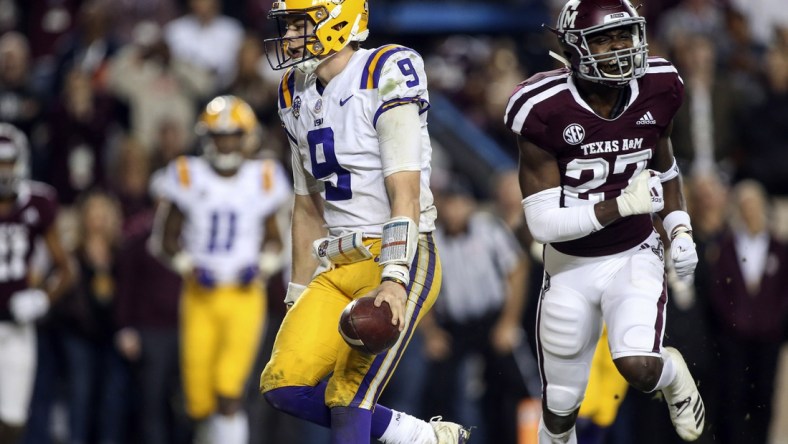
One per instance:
(367,328)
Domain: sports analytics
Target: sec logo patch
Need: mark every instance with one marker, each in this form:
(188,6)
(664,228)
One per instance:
(574,134)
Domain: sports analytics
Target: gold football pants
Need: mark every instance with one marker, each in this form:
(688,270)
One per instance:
(309,347)
(220,334)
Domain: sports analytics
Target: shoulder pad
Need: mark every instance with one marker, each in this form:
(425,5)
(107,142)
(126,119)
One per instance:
(530,92)
(268,168)
(43,190)
(183,174)
(370,77)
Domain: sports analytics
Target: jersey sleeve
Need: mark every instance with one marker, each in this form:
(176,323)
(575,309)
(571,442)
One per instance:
(286,89)
(47,207)
(534,104)
(276,184)
(175,182)
(668,82)
(397,73)
(677,92)
(303,182)
(523,119)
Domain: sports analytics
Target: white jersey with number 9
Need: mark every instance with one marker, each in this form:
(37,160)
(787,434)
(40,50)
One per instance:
(334,141)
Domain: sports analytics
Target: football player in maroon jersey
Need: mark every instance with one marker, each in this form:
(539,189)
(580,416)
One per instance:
(596,164)
(27,214)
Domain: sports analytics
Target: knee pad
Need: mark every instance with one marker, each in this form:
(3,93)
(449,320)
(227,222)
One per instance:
(569,328)
(567,322)
(565,387)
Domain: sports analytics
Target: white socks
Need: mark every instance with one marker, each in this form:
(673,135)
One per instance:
(406,429)
(668,372)
(230,429)
(547,437)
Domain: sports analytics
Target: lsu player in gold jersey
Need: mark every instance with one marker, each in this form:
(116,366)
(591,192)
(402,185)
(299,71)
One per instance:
(215,226)
(356,120)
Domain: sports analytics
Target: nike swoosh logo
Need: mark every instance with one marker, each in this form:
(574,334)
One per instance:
(343,102)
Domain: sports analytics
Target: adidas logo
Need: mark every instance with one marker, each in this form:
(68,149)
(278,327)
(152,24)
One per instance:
(647,119)
(682,405)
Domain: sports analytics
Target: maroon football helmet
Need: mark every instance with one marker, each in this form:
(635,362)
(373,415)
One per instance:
(581,18)
(13,159)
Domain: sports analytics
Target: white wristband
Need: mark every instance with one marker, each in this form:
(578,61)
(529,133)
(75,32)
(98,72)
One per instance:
(397,273)
(294,292)
(674,220)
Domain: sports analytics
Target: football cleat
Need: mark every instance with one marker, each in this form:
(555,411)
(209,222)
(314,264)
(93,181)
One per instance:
(449,432)
(684,403)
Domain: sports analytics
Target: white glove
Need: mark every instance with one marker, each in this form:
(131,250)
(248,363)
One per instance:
(28,305)
(642,196)
(293,293)
(270,263)
(183,263)
(682,251)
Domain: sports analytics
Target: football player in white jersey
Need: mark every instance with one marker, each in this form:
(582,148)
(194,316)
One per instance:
(356,120)
(215,226)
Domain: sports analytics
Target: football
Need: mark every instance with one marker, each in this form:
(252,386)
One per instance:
(367,328)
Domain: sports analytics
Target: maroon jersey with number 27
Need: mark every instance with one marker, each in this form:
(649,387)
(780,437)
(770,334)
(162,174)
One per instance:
(597,157)
(32,215)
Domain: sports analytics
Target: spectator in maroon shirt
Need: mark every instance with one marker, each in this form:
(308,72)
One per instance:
(749,276)
(147,316)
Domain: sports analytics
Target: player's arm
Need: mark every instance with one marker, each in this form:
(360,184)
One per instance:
(31,303)
(271,248)
(307,226)
(165,242)
(540,182)
(399,137)
(665,163)
(675,218)
(549,222)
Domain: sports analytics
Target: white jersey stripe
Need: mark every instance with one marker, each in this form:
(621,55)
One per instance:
(522,114)
(526,89)
(661,69)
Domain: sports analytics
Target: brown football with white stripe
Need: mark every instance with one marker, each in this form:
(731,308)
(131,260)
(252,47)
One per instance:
(367,328)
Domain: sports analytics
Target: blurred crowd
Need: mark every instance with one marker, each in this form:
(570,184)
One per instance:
(108,91)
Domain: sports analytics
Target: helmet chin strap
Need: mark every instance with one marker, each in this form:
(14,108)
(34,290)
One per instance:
(310,65)
(560,58)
